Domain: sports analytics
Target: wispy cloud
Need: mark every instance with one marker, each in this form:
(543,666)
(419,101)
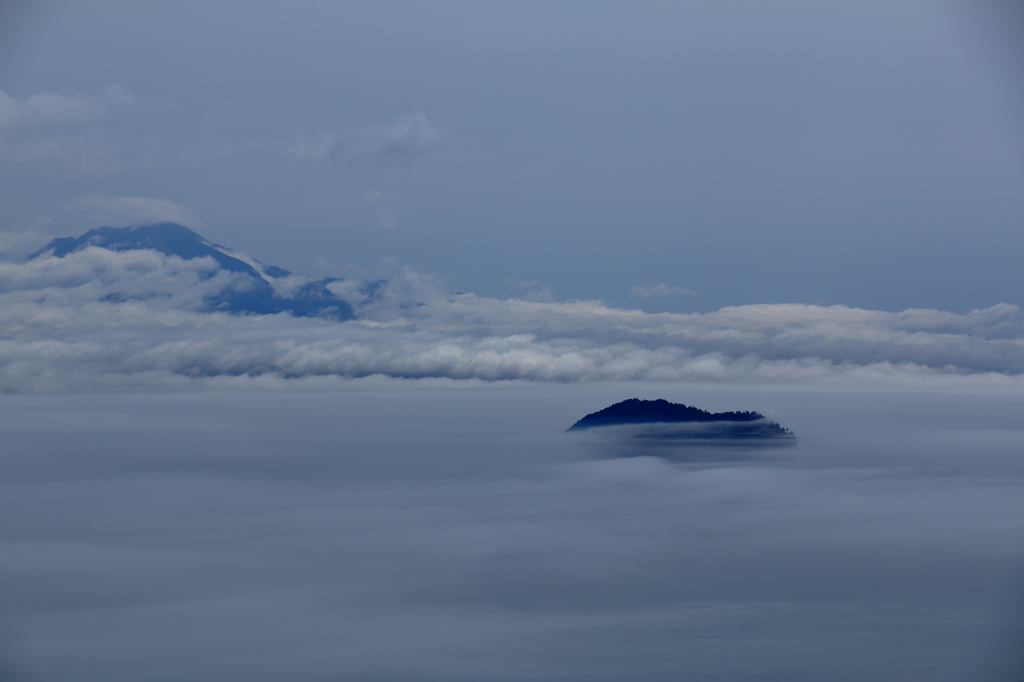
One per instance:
(16,245)
(400,141)
(381,204)
(88,153)
(536,291)
(122,211)
(660,290)
(321,146)
(53,108)
(81,134)
(97,152)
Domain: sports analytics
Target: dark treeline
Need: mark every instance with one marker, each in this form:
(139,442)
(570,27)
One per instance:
(635,411)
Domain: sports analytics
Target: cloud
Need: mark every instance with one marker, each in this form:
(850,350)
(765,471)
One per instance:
(659,290)
(536,291)
(55,131)
(18,245)
(94,152)
(123,211)
(138,282)
(101,319)
(380,203)
(318,147)
(51,108)
(400,141)
(86,153)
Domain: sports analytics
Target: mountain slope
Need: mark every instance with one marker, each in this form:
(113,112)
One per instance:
(634,411)
(269,289)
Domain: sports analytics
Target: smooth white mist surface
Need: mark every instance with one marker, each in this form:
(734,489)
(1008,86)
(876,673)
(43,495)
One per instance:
(460,534)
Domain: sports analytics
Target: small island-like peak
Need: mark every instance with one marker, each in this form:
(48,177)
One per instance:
(636,411)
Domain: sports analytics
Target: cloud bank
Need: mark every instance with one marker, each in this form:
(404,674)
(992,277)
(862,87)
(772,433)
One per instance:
(96,319)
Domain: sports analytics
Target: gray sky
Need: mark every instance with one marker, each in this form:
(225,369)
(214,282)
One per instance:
(665,156)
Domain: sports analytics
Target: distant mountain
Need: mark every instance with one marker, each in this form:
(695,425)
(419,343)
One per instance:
(309,299)
(634,411)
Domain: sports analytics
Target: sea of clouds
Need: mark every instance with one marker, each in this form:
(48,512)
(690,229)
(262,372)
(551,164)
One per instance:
(441,535)
(437,534)
(101,320)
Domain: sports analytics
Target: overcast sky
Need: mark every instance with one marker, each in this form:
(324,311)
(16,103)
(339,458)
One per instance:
(665,156)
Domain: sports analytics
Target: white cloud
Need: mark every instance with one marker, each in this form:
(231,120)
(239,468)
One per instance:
(122,211)
(660,290)
(536,291)
(52,108)
(98,319)
(400,141)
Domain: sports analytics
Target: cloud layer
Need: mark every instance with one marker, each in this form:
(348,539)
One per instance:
(99,319)
(458,536)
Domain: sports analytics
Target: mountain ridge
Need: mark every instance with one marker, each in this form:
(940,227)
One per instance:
(310,299)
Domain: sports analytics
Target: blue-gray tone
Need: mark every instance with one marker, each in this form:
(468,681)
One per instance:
(462,535)
(675,424)
(487,220)
(636,411)
(664,156)
(255,294)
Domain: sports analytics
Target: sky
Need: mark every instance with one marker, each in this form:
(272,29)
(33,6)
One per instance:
(664,156)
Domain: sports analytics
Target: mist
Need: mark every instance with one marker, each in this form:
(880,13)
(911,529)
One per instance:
(418,532)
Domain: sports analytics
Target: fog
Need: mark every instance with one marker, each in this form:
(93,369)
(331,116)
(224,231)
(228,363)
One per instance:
(418,531)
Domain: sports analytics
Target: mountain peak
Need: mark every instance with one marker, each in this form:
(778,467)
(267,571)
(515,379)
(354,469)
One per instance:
(636,411)
(310,299)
